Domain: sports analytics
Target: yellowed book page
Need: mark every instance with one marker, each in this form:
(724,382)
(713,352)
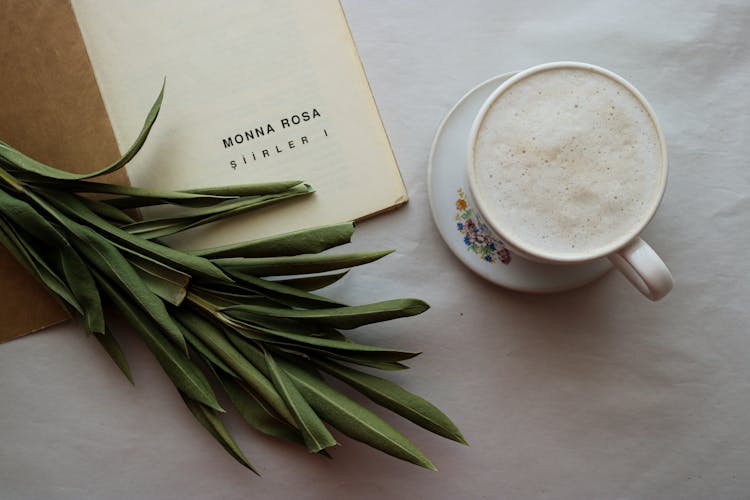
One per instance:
(256,91)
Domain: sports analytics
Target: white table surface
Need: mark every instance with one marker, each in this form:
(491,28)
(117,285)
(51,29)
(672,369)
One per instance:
(595,393)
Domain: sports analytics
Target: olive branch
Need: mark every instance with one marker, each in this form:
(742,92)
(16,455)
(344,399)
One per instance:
(245,314)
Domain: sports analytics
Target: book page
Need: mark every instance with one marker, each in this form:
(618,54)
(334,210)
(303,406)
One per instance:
(256,91)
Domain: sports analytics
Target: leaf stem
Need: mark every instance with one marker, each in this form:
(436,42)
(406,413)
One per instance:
(11,181)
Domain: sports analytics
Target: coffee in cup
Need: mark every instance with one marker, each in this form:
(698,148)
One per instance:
(567,164)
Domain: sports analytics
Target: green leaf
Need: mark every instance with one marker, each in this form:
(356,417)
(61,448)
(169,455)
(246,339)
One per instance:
(23,162)
(26,254)
(395,398)
(76,273)
(125,196)
(282,293)
(166,282)
(346,318)
(317,437)
(217,342)
(213,424)
(352,419)
(112,347)
(357,358)
(107,211)
(232,205)
(301,264)
(261,188)
(110,262)
(15,246)
(196,343)
(256,411)
(305,241)
(7,178)
(183,373)
(371,360)
(82,284)
(159,228)
(312,283)
(273,324)
(256,332)
(133,197)
(27,217)
(191,264)
(199,197)
(219,295)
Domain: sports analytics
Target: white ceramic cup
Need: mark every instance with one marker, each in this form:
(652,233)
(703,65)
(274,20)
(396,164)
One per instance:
(628,252)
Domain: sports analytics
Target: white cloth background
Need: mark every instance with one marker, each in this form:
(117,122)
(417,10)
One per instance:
(595,393)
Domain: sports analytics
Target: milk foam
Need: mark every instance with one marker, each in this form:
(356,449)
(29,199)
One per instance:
(567,161)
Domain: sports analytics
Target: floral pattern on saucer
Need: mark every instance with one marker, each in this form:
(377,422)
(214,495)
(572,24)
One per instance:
(476,233)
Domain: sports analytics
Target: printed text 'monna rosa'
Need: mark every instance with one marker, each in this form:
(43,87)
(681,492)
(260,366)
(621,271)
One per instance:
(268,128)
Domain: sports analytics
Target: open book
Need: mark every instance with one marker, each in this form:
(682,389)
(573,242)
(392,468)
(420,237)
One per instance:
(256,91)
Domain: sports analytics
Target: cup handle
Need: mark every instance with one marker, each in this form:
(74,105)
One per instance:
(644,269)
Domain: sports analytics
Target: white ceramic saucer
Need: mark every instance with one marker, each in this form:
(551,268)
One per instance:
(464,232)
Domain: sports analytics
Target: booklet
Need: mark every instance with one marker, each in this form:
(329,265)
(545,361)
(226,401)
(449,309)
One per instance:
(255,91)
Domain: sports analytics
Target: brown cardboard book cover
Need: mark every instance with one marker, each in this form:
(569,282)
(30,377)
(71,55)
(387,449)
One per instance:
(51,109)
(256,91)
